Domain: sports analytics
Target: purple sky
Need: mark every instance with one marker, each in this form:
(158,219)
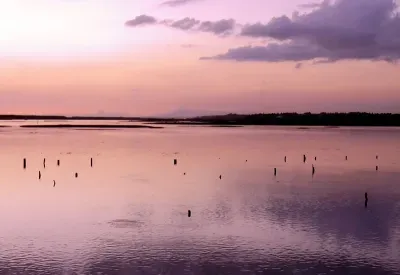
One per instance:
(198,56)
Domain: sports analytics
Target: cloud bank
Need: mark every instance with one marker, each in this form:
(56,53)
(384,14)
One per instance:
(333,31)
(221,27)
(329,31)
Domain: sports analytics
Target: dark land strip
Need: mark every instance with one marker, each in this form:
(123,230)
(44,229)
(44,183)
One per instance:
(284,119)
(91,126)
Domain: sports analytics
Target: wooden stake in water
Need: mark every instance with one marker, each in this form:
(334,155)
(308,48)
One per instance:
(40,175)
(58,162)
(285,158)
(76,175)
(91,162)
(54,183)
(189,213)
(346,157)
(315,158)
(44,163)
(274,171)
(313,170)
(304,158)
(376,168)
(220,176)
(24,163)
(175,161)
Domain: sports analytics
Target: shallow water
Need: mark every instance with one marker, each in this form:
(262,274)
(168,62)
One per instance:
(128,213)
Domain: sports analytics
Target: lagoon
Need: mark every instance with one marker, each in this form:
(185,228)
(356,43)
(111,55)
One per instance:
(128,213)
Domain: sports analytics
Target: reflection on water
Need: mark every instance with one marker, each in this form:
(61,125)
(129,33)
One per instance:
(128,213)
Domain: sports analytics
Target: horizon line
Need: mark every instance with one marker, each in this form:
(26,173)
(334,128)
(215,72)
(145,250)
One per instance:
(54,116)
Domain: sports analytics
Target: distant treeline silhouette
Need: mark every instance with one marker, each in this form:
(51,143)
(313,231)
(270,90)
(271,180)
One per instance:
(307,119)
(296,119)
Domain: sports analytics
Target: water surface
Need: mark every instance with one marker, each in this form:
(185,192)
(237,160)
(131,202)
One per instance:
(128,213)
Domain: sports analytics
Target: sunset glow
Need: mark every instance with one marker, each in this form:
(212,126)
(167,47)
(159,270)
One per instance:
(82,57)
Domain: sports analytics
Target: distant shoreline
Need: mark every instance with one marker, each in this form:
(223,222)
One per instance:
(353,119)
(91,126)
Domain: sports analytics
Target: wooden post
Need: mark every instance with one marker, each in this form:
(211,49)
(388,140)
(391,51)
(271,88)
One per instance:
(91,162)
(24,163)
(175,161)
(189,213)
(76,175)
(274,171)
(58,162)
(40,175)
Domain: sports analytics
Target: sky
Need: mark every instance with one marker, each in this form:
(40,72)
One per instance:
(191,57)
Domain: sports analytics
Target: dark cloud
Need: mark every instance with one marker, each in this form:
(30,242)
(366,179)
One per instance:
(141,20)
(344,29)
(221,27)
(176,3)
(184,24)
(273,52)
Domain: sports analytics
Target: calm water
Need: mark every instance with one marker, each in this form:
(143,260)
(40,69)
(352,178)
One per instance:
(128,213)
